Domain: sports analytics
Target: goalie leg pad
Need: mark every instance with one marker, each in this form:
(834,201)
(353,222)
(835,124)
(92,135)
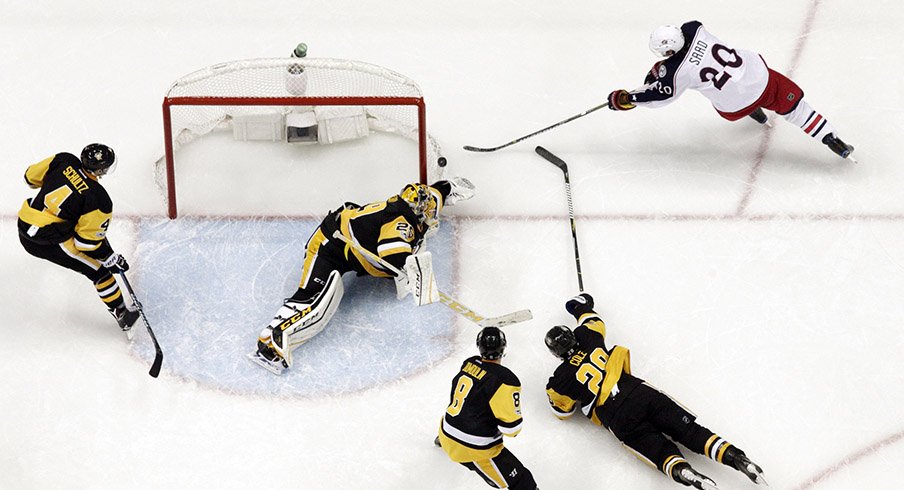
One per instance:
(294,330)
(421,282)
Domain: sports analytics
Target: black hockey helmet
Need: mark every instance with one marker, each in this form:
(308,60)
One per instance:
(561,342)
(98,159)
(491,343)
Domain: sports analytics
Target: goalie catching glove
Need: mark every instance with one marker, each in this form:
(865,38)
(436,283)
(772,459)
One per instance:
(417,278)
(620,100)
(461,189)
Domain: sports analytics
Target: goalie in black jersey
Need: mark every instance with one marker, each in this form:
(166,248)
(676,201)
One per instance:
(393,230)
(484,405)
(597,381)
(66,222)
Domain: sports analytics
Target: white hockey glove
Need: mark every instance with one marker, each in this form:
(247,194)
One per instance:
(418,280)
(115,264)
(462,190)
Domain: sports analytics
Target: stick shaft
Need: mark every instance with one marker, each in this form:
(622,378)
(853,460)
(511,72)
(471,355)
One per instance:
(158,356)
(535,133)
(452,303)
(558,162)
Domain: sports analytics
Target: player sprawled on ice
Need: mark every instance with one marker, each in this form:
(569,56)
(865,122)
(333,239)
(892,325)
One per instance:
(66,222)
(484,405)
(394,230)
(597,381)
(736,81)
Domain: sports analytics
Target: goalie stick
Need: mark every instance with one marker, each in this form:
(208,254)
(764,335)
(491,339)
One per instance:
(558,162)
(518,140)
(452,303)
(158,357)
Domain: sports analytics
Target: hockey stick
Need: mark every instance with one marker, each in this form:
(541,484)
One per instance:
(558,162)
(452,303)
(518,140)
(158,357)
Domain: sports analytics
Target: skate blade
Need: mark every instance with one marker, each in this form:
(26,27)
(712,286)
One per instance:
(274,367)
(130,334)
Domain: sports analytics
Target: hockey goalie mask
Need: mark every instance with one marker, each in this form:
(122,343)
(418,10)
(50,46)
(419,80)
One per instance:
(426,202)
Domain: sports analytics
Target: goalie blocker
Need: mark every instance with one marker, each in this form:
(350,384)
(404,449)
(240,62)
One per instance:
(418,280)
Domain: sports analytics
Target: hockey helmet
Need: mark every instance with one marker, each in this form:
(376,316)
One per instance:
(560,340)
(98,159)
(666,40)
(491,343)
(426,203)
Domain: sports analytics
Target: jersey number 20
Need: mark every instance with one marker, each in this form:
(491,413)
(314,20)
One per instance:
(719,79)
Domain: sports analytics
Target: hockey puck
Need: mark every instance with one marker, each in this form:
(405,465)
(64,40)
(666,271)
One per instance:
(441,162)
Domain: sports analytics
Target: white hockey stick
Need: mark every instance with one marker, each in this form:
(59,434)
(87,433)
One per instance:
(452,303)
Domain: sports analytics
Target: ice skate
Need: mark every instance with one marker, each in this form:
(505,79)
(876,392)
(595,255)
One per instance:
(126,318)
(742,463)
(839,147)
(267,357)
(690,477)
(759,116)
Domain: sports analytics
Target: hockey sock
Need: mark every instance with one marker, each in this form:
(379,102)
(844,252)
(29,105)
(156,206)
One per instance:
(672,466)
(109,292)
(812,122)
(715,449)
(703,441)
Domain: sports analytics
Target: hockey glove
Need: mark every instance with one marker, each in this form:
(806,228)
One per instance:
(579,305)
(620,100)
(461,189)
(115,264)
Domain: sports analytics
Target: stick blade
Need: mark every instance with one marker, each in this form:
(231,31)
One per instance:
(546,154)
(501,321)
(155,367)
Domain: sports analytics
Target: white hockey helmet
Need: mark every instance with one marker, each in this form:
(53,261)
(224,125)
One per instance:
(666,40)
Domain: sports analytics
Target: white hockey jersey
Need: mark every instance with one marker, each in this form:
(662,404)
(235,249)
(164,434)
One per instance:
(732,79)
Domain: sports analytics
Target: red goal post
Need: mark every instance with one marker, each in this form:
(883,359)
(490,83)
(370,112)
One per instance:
(215,97)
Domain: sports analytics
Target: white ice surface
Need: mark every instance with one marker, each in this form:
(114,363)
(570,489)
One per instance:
(756,277)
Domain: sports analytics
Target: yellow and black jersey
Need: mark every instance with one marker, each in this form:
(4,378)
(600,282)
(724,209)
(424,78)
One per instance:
(484,405)
(388,228)
(70,204)
(593,376)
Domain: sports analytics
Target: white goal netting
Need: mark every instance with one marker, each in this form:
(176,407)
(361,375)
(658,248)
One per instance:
(294,100)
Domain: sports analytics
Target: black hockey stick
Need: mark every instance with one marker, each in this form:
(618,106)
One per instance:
(518,140)
(558,162)
(158,358)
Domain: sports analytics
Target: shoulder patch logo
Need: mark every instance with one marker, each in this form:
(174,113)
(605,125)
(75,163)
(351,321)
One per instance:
(662,71)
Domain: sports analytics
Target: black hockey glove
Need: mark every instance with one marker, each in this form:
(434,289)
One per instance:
(115,264)
(579,305)
(620,100)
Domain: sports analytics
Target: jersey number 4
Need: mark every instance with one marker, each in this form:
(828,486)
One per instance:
(718,78)
(53,200)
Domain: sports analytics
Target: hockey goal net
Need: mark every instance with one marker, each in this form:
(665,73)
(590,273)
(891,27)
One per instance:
(294,101)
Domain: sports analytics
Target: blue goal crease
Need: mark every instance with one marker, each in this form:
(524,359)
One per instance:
(209,286)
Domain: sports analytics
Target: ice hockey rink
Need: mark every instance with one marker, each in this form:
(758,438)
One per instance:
(755,276)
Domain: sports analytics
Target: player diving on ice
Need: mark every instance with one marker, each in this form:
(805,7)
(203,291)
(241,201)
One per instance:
(737,82)
(391,231)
